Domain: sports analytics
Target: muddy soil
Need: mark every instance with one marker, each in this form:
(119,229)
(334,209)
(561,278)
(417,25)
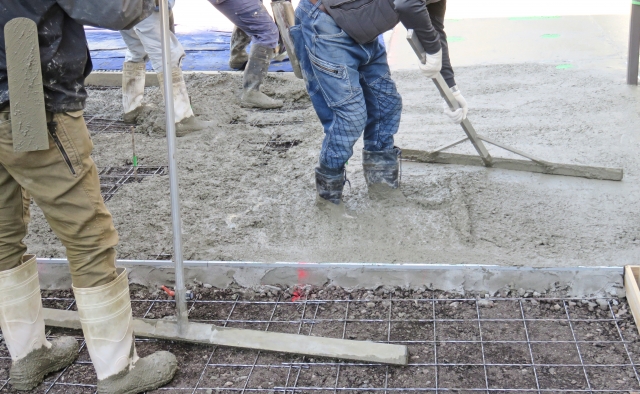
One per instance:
(247,183)
(470,334)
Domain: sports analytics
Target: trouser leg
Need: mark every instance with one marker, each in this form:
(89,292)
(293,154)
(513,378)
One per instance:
(14,220)
(63,181)
(149,35)
(135,50)
(436,13)
(253,18)
(384,104)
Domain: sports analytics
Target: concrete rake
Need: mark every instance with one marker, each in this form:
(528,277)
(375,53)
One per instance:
(484,159)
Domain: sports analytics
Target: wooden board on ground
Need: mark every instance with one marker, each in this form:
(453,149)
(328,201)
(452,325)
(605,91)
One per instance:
(26,93)
(372,352)
(631,275)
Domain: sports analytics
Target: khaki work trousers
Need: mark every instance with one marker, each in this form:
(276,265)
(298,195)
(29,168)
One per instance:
(63,181)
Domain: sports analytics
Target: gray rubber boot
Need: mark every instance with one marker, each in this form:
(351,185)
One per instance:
(330,187)
(149,373)
(30,371)
(382,172)
(238,49)
(257,67)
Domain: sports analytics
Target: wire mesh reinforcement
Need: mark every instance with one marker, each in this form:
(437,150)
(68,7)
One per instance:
(113,178)
(97,125)
(497,345)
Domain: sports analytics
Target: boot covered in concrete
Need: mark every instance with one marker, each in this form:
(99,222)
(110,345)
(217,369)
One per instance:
(107,323)
(382,172)
(257,67)
(133,79)
(330,186)
(22,322)
(238,48)
(186,121)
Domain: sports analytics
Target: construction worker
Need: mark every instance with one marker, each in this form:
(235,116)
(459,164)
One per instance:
(63,181)
(253,25)
(349,82)
(144,42)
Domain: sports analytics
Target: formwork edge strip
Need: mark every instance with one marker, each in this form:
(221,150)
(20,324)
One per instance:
(202,333)
(355,265)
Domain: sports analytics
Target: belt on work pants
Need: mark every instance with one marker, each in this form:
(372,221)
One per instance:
(321,8)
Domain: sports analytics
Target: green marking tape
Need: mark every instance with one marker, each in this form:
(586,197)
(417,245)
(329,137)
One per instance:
(455,39)
(533,18)
(135,161)
(635,2)
(564,66)
(550,35)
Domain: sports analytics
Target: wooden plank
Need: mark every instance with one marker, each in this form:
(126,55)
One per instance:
(26,93)
(251,339)
(632,291)
(604,173)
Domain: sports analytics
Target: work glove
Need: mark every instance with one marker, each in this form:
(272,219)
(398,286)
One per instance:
(433,65)
(460,114)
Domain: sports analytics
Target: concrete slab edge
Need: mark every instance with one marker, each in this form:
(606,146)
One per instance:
(114,78)
(576,281)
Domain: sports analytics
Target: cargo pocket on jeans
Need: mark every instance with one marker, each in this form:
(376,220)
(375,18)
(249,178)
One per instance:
(333,80)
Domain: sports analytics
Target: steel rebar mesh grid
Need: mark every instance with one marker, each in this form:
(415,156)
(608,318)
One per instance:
(113,178)
(97,125)
(485,351)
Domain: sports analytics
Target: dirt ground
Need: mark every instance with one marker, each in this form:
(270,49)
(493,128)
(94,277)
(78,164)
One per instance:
(247,185)
(456,343)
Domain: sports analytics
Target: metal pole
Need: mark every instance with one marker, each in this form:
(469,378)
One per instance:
(634,43)
(180,294)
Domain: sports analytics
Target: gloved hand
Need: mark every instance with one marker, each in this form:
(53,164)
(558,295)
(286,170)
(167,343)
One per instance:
(433,65)
(460,114)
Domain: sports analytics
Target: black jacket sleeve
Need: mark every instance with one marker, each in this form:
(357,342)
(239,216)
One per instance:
(436,14)
(108,14)
(414,15)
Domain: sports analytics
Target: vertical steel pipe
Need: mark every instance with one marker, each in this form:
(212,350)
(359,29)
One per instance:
(634,44)
(180,293)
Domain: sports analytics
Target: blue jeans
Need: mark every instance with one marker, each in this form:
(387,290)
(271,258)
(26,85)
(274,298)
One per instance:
(349,84)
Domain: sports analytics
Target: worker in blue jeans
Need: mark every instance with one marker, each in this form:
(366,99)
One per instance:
(351,93)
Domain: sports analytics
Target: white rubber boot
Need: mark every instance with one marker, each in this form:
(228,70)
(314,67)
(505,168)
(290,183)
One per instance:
(186,121)
(22,322)
(107,323)
(133,78)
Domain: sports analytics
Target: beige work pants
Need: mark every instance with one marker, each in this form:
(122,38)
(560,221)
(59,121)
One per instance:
(63,181)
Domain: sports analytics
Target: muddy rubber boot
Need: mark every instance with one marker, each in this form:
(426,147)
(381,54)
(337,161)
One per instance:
(186,121)
(22,322)
(107,323)
(133,78)
(382,173)
(254,73)
(238,49)
(330,186)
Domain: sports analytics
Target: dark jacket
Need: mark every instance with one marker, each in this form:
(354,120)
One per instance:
(64,54)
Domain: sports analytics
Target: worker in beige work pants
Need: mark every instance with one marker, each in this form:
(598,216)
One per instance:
(63,181)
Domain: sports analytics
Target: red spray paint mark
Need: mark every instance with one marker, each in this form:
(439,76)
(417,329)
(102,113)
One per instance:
(298,292)
(167,290)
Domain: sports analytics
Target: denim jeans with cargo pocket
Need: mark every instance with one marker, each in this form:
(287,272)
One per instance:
(349,84)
